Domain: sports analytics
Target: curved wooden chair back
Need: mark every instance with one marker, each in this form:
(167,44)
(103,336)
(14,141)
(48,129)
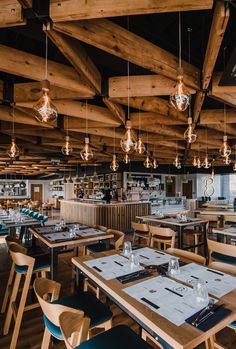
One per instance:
(224,267)
(19,257)
(9,240)
(140,227)
(162,235)
(230,219)
(118,239)
(219,247)
(187,256)
(48,291)
(74,328)
(101,227)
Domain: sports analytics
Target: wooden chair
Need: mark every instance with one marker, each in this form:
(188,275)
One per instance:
(213,221)
(80,303)
(22,265)
(117,242)
(187,256)
(141,231)
(165,236)
(221,252)
(73,328)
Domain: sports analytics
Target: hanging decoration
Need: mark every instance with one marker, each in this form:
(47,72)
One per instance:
(225,149)
(177,162)
(147,162)
(114,164)
(45,110)
(86,153)
(189,135)
(139,146)
(13,150)
(206,163)
(199,165)
(180,98)
(128,142)
(126,159)
(67,148)
(155,163)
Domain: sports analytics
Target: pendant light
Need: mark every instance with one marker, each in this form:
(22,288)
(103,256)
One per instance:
(45,110)
(180,98)
(199,164)
(114,164)
(147,162)
(212,172)
(139,146)
(67,149)
(177,162)
(86,153)
(126,159)
(155,163)
(189,135)
(206,164)
(13,150)
(234,168)
(225,149)
(227,160)
(194,163)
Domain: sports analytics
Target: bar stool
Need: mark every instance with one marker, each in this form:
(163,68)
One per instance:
(81,303)
(141,231)
(22,265)
(74,328)
(165,236)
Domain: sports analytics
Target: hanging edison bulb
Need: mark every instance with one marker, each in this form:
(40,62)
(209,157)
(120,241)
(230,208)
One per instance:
(155,163)
(147,162)
(177,162)
(126,159)
(189,135)
(227,160)
(180,97)
(67,149)
(86,153)
(128,141)
(206,163)
(199,165)
(225,149)
(234,168)
(114,164)
(212,173)
(139,146)
(45,110)
(13,151)
(194,161)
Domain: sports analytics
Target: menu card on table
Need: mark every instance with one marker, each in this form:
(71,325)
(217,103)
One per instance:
(89,232)
(149,256)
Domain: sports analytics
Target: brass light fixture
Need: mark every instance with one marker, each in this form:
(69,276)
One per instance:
(139,146)
(126,159)
(194,163)
(45,110)
(225,149)
(180,97)
(189,135)
(13,150)
(147,162)
(114,164)
(155,163)
(177,162)
(86,153)
(199,165)
(67,148)
(206,163)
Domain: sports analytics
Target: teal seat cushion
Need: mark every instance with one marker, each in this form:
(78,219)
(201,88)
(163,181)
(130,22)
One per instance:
(40,263)
(86,301)
(119,337)
(232,325)
(100,247)
(223,258)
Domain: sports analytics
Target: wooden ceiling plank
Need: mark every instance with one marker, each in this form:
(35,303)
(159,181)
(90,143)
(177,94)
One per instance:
(70,10)
(78,57)
(147,118)
(122,43)
(11,14)
(225,94)
(216,116)
(116,109)
(32,67)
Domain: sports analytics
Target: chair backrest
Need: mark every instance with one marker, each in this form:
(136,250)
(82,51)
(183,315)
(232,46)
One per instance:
(19,257)
(224,267)
(74,328)
(48,291)
(162,235)
(220,247)
(208,217)
(187,256)
(142,227)
(101,227)
(118,237)
(230,219)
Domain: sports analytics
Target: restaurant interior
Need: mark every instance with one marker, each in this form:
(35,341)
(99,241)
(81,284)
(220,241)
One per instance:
(118,174)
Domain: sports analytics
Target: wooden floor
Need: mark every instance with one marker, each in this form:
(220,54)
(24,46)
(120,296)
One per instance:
(32,326)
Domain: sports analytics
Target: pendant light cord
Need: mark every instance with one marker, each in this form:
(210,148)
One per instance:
(46,57)
(128,74)
(224,103)
(180,44)
(86,117)
(13,119)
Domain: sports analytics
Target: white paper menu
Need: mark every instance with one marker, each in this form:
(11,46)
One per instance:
(148,256)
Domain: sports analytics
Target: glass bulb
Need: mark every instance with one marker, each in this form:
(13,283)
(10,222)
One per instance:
(225,149)
(177,163)
(199,165)
(189,134)
(13,151)
(194,161)
(212,173)
(67,149)
(126,159)
(139,146)
(147,162)
(155,163)
(86,153)
(234,168)
(180,97)
(45,110)
(128,141)
(206,163)
(227,160)
(114,164)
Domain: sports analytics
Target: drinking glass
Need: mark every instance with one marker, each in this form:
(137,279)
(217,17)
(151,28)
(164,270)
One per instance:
(200,292)
(127,248)
(173,267)
(72,233)
(133,260)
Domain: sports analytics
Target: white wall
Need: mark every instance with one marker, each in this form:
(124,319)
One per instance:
(46,185)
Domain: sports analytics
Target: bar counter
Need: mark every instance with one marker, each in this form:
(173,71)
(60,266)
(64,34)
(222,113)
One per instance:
(116,215)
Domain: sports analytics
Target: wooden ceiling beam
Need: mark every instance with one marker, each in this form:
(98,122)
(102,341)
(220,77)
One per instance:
(116,109)
(149,118)
(32,67)
(11,14)
(78,58)
(122,43)
(216,116)
(70,10)
(224,94)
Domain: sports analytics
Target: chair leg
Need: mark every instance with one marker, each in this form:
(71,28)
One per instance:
(43,274)
(20,310)
(133,241)
(12,300)
(46,339)
(196,241)
(7,293)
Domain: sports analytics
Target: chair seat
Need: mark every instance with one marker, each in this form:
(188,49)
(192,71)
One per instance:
(223,258)
(100,247)
(119,337)
(86,301)
(42,262)
(232,325)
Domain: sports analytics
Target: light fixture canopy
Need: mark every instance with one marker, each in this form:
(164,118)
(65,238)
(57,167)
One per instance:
(114,164)
(147,162)
(189,135)
(67,148)
(225,149)
(45,110)
(139,146)
(128,141)
(86,153)
(13,150)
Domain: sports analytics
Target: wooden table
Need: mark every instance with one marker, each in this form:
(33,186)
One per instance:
(12,225)
(57,246)
(174,224)
(179,337)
